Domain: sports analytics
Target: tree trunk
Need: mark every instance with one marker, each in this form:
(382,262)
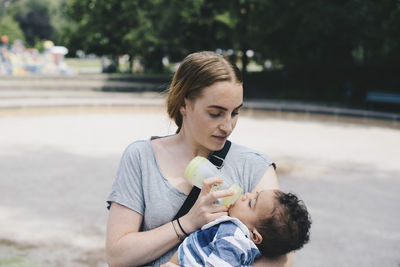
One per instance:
(245,61)
(130,68)
(244,13)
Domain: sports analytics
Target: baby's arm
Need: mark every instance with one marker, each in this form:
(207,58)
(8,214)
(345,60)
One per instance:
(169,264)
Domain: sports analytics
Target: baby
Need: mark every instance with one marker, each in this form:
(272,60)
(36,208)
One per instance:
(269,223)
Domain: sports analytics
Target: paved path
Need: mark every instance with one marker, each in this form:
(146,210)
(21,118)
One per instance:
(57,164)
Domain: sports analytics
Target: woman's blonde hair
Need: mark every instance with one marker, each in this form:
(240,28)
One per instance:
(197,71)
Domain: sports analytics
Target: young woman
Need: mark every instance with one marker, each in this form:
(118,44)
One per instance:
(204,100)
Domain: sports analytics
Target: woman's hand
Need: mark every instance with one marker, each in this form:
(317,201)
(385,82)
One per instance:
(204,210)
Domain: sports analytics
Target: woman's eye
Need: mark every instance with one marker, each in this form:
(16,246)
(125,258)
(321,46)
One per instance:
(235,114)
(215,115)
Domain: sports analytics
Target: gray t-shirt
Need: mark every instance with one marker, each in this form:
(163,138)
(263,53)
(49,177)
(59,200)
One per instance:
(140,185)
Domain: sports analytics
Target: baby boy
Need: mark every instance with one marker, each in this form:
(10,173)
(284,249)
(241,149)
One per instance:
(269,223)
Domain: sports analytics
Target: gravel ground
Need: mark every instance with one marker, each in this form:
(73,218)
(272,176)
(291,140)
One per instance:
(57,166)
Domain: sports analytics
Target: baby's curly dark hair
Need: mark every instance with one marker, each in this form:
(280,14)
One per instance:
(287,229)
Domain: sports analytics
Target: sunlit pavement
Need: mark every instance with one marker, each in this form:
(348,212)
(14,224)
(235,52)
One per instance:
(57,164)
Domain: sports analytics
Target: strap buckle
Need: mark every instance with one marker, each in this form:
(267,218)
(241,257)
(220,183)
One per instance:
(217,161)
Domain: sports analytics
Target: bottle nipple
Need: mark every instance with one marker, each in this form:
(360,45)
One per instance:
(229,200)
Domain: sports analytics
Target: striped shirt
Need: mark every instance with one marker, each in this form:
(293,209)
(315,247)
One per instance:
(223,242)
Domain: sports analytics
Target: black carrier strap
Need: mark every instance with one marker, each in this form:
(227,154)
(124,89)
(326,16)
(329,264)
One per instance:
(217,158)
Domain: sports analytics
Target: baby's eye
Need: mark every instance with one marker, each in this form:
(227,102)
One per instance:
(250,203)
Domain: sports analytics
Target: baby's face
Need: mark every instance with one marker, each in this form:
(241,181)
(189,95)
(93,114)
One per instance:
(253,207)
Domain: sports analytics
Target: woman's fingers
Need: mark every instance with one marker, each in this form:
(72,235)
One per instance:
(209,183)
(211,192)
(217,207)
(216,215)
(205,208)
(221,193)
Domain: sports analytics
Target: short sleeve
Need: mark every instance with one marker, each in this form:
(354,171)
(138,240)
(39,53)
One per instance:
(255,166)
(225,253)
(127,188)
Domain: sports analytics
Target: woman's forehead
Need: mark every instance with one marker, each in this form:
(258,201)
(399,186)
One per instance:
(225,94)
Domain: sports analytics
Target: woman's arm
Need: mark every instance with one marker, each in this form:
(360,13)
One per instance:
(270,181)
(126,246)
(281,261)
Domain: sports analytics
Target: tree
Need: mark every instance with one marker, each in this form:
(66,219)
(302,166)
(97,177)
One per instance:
(294,33)
(33,18)
(147,29)
(188,26)
(58,19)
(100,27)
(174,29)
(314,32)
(325,33)
(9,27)
(379,41)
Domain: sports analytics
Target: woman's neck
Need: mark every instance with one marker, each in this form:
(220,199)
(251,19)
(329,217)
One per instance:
(188,146)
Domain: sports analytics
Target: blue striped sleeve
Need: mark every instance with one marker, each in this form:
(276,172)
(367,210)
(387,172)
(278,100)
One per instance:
(226,254)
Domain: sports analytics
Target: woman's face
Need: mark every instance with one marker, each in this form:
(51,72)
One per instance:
(211,117)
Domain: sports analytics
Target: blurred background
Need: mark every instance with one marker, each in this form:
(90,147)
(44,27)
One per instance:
(342,53)
(81,79)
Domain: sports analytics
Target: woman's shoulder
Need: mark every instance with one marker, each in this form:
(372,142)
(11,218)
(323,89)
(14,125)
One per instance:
(138,147)
(244,154)
(248,165)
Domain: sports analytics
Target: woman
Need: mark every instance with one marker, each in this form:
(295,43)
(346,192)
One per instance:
(204,100)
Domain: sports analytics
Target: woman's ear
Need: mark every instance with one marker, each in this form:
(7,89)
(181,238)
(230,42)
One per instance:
(256,237)
(182,109)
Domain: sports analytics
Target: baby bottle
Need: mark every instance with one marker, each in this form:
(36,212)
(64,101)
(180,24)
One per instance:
(201,168)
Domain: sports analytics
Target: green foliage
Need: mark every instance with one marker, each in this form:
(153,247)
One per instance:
(326,33)
(149,29)
(9,27)
(291,33)
(33,18)
(100,27)
(58,19)
(301,33)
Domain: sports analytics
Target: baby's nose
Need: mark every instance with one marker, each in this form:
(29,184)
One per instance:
(245,196)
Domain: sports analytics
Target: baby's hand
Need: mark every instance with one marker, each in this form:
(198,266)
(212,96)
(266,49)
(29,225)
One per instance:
(169,264)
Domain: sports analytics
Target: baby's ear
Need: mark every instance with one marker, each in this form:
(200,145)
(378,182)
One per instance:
(256,237)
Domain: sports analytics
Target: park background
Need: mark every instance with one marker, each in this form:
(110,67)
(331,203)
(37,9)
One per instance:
(334,52)
(322,87)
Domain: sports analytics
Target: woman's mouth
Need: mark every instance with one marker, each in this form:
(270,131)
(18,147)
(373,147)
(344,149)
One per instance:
(220,138)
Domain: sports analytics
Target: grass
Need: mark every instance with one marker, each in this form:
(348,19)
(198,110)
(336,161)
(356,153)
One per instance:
(16,260)
(79,63)
(90,66)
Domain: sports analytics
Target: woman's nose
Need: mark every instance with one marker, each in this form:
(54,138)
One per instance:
(226,126)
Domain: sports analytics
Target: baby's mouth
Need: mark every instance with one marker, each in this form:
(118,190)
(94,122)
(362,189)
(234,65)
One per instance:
(229,209)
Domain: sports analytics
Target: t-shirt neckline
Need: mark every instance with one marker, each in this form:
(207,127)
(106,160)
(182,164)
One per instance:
(166,181)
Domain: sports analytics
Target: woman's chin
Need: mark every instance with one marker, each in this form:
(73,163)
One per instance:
(218,143)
